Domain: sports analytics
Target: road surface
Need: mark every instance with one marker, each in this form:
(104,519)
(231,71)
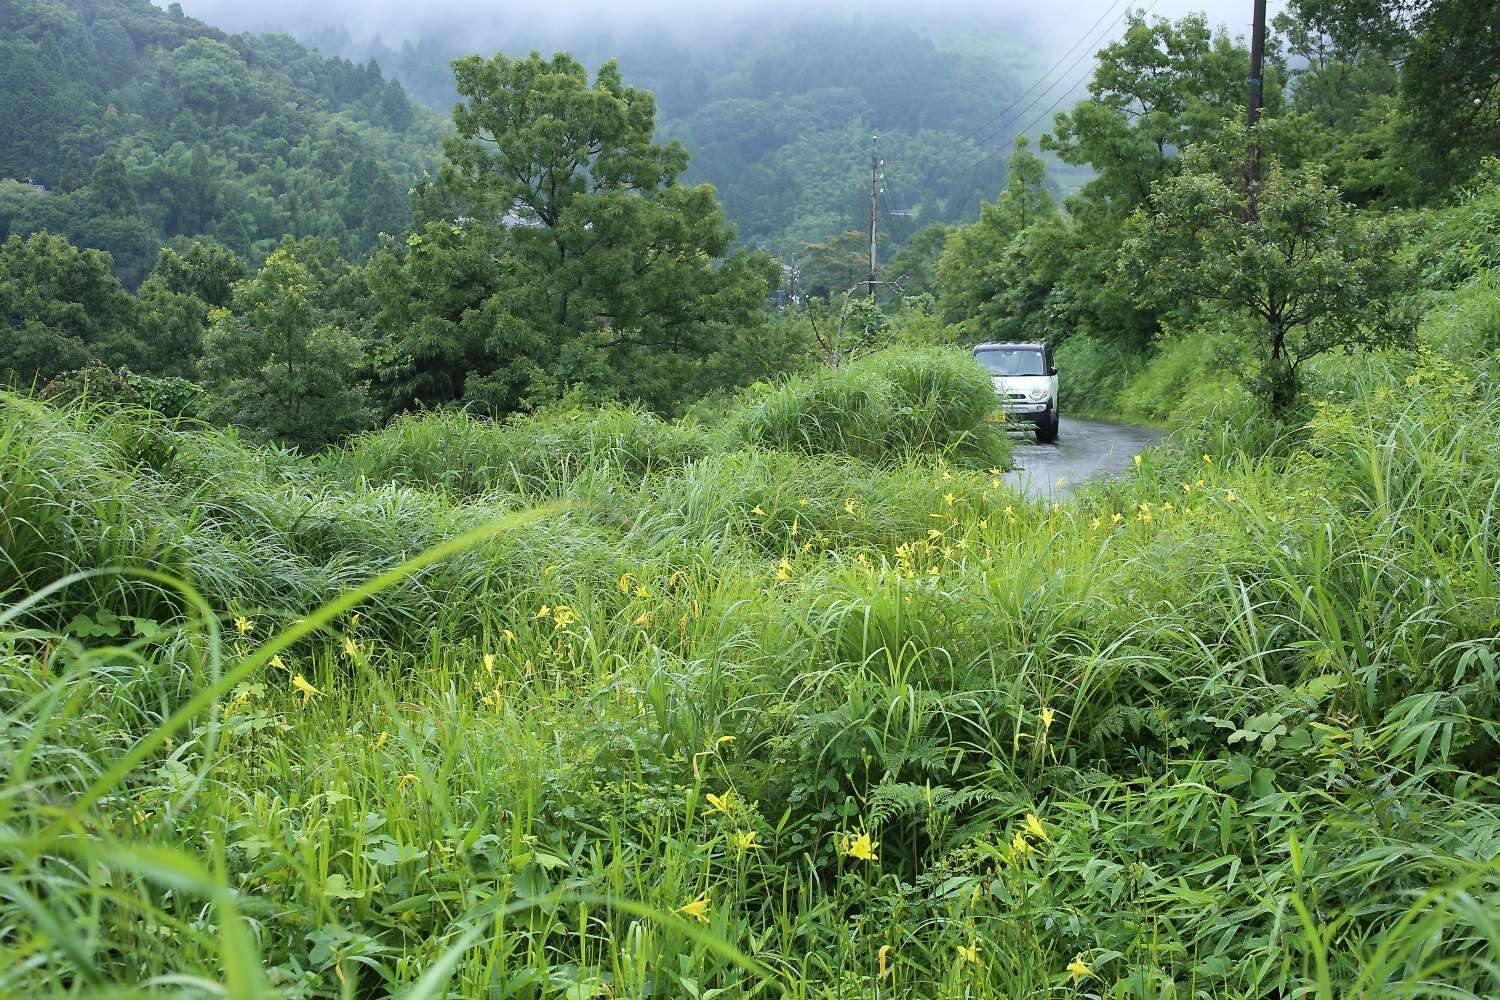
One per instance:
(1085,449)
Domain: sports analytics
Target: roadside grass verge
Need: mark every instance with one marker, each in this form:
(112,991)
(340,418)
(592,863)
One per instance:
(754,720)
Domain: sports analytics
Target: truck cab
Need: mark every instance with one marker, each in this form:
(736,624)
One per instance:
(1025,381)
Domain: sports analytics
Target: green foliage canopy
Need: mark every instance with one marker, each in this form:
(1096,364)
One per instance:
(581,259)
(60,306)
(279,364)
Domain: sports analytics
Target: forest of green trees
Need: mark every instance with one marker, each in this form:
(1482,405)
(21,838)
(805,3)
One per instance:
(162,162)
(778,110)
(128,128)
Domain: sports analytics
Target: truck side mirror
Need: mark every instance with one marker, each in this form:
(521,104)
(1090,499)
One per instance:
(1052,370)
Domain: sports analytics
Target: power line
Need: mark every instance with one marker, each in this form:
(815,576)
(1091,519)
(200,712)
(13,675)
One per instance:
(890,219)
(1064,95)
(1009,107)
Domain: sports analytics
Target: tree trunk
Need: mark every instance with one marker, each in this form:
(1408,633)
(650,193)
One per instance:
(1280,375)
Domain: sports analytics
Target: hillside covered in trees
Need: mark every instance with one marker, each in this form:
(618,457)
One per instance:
(777,107)
(127,127)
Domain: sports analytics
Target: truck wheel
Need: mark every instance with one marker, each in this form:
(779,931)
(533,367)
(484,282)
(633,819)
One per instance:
(1046,430)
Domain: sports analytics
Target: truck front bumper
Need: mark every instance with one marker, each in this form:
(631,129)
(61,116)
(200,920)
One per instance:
(1034,412)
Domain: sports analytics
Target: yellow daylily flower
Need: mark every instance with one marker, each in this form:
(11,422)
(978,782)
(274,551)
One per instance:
(744,840)
(244,625)
(969,953)
(880,960)
(1035,828)
(757,511)
(1076,968)
(1047,715)
(278,662)
(1019,843)
(861,848)
(697,909)
(721,803)
(300,683)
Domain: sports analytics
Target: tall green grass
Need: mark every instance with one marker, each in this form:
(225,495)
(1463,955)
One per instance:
(1225,727)
(455,452)
(894,402)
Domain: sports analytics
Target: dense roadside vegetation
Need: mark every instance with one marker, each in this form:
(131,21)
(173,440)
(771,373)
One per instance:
(1226,724)
(530,609)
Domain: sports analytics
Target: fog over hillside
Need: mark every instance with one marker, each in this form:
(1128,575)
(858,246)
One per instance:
(1054,25)
(777,102)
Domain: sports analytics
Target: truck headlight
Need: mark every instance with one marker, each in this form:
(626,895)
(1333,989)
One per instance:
(1038,394)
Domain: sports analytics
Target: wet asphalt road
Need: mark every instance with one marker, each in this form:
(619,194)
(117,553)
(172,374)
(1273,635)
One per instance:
(1085,450)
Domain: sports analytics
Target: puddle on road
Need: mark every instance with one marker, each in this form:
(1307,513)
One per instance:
(1085,450)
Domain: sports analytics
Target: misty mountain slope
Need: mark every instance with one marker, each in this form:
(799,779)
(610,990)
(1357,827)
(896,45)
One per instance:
(776,111)
(137,127)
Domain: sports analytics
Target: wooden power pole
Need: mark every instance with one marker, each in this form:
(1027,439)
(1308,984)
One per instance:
(874,198)
(1257,88)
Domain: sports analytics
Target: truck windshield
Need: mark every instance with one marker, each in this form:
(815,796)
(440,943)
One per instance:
(1022,361)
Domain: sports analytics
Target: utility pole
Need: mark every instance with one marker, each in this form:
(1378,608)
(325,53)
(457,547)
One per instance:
(1257,86)
(874,197)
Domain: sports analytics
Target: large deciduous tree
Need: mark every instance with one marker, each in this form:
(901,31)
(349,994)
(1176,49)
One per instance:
(174,303)
(577,253)
(1161,87)
(1308,272)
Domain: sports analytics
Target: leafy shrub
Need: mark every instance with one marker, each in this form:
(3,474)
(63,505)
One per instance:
(169,395)
(885,405)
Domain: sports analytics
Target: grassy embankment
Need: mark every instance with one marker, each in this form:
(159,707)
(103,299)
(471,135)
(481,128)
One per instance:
(757,707)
